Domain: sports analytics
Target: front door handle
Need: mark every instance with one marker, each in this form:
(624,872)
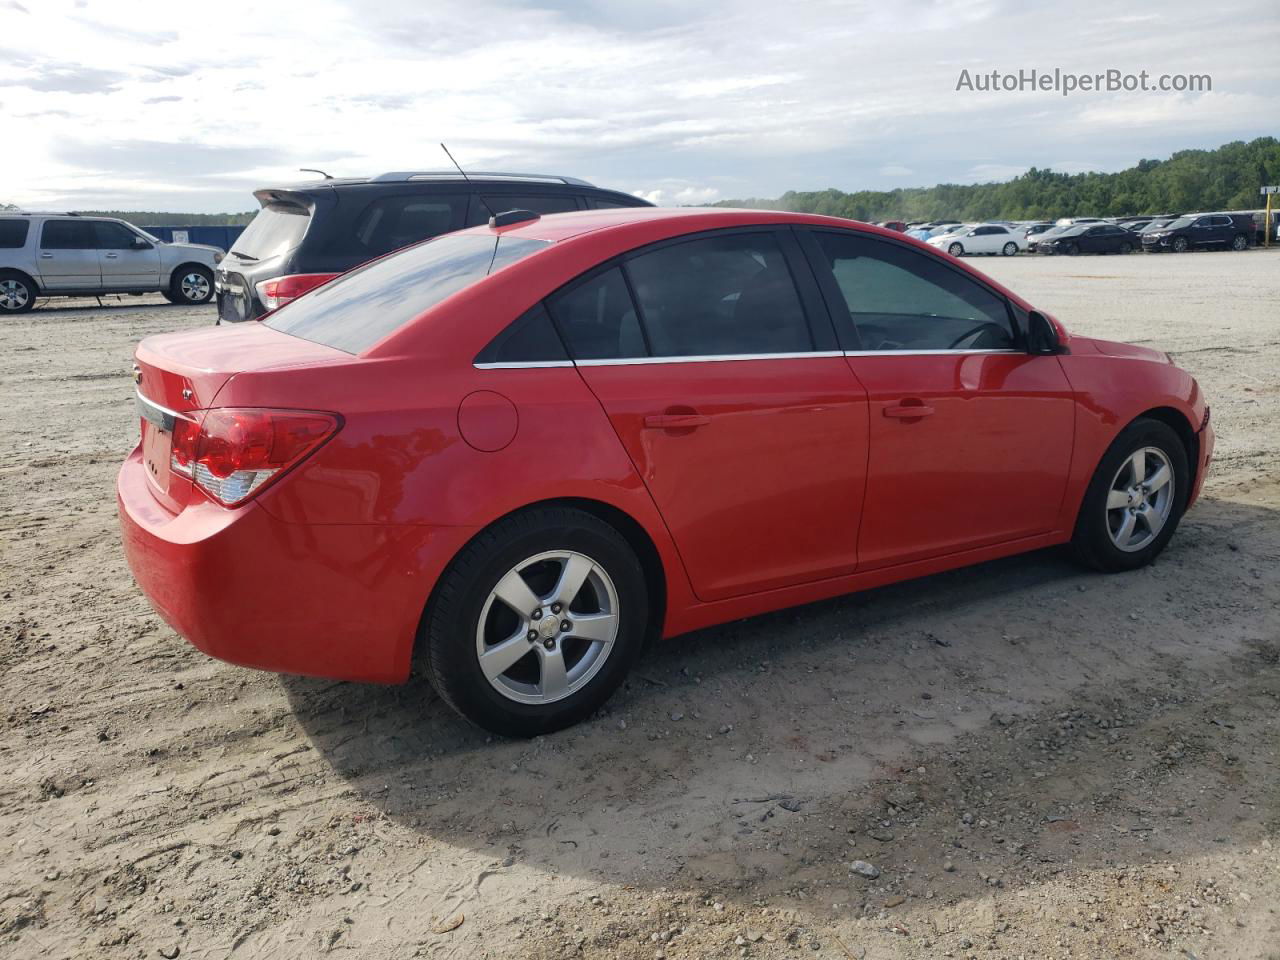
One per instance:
(675,421)
(112,256)
(46,256)
(908,411)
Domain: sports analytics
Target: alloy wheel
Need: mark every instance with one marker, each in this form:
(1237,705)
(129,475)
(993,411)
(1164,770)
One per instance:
(547,627)
(194,287)
(955,249)
(1010,249)
(13,295)
(1239,243)
(1140,499)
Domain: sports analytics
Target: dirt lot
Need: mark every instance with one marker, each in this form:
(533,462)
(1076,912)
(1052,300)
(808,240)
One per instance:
(1034,761)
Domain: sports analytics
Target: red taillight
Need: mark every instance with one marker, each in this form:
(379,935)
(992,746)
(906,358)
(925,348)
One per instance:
(279,291)
(235,451)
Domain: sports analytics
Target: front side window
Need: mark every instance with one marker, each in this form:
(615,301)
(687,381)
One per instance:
(114,236)
(902,300)
(394,222)
(717,295)
(68,235)
(13,234)
(356,310)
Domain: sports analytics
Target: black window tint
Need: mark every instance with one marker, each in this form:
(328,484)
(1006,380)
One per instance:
(719,295)
(1222,221)
(529,339)
(114,236)
(275,230)
(598,319)
(899,299)
(598,203)
(501,202)
(13,234)
(394,222)
(68,235)
(358,309)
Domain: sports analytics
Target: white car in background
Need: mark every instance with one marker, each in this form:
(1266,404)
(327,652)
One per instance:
(989,238)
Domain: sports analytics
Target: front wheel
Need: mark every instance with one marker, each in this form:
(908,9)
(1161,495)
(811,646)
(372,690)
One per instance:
(1010,249)
(1135,499)
(1126,248)
(190,285)
(536,622)
(1072,249)
(956,249)
(1180,245)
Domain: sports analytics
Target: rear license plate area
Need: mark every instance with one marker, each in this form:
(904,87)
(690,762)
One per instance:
(155,454)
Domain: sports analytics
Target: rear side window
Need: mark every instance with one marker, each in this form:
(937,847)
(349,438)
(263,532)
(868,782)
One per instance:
(394,222)
(501,202)
(358,309)
(13,234)
(598,318)
(529,339)
(902,300)
(725,294)
(277,229)
(68,235)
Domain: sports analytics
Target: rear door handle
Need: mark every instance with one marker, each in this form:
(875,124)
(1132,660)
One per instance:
(675,421)
(908,411)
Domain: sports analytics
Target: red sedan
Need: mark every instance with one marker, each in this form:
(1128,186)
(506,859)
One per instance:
(518,451)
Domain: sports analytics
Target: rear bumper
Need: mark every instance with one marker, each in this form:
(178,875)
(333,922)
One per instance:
(332,600)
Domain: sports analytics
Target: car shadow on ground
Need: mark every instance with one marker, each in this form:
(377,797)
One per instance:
(828,707)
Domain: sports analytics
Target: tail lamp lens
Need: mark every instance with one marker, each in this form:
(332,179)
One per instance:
(235,452)
(277,292)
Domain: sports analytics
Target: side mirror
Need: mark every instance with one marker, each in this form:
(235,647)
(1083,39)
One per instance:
(1042,335)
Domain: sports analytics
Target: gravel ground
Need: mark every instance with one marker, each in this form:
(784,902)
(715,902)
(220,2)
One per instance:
(1018,760)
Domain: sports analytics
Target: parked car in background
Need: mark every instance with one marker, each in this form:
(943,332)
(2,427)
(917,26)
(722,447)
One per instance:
(1089,238)
(1034,241)
(67,255)
(897,225)
(988,238)
(348,484)
(1134,226)
(1206,231)
(1073,221)
(306,234)
(1034,230)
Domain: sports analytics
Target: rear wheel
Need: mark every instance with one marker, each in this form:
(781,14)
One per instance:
(1135,499)
(1240,242)
(956,249)
(536,622)
(17,292)
(190,285)
(1010,249)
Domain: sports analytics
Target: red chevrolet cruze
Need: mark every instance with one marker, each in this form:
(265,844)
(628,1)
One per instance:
(520,450)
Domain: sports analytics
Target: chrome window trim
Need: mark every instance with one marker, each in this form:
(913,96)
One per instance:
(524,365)
(731,357)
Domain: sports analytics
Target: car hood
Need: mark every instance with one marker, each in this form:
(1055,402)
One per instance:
(1114,348)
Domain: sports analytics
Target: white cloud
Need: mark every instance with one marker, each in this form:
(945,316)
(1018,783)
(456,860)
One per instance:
(151,102)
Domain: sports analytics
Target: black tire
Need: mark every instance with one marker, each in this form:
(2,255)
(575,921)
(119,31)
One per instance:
(448,638)
(17,292)
(1092,542)
(956,249)
(185,291)
(1240,242)
(1072,249)
(1126,249)
(1179,245)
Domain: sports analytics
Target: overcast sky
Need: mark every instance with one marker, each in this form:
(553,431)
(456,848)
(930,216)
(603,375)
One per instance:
(137,104)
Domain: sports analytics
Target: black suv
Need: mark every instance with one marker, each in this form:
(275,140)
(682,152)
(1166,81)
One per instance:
(308,233)
(1204,231)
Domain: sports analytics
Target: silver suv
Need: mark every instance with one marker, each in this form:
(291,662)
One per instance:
(65,255)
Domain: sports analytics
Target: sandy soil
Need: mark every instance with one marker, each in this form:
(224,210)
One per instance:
(1034,761)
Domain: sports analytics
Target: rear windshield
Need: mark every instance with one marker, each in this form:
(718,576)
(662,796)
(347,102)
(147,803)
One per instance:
(358,309)
(277,229)
(13,234)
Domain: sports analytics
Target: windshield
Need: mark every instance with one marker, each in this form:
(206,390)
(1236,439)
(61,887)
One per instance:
(1156,225)
(1075,231)
(358,309)
(1180,223)
(277,229)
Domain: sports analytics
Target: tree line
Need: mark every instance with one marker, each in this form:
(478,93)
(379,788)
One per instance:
(1226,178)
